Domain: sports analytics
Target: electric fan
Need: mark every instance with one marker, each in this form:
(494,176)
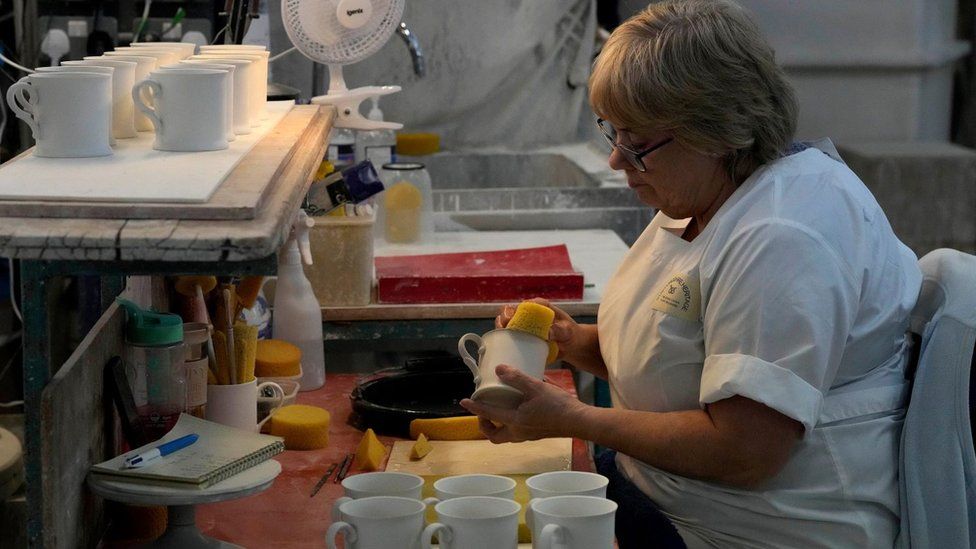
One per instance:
(342,32)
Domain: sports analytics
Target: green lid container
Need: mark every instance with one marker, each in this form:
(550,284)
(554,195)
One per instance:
(149,328)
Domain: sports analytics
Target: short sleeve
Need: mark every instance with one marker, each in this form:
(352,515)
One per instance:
(778,309)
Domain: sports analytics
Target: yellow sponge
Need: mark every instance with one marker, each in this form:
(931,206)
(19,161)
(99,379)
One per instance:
(447,428)
(530,317)
(303,427)
(370,454)
(276,358)
(421,448)
(416,144)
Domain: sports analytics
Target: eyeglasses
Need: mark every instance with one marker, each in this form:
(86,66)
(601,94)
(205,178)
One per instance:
(636,158)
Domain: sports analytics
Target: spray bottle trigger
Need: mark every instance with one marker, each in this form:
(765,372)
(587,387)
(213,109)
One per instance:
(302,226)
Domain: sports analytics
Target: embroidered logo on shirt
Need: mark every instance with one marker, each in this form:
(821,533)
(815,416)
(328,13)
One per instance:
(680,297)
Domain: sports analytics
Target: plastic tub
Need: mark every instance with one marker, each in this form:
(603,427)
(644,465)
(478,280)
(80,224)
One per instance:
(342,254)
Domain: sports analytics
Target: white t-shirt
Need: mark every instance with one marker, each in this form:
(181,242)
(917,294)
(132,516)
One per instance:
(795,295)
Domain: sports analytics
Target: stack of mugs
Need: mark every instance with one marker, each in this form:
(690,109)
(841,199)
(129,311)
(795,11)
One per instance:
(193,102)
(384,510)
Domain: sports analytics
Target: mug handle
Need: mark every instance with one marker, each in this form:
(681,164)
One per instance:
(551,535)
(137,98)
(336,514)
(348,531)
(469,361)
(279,392)
(21,91)
(445,537)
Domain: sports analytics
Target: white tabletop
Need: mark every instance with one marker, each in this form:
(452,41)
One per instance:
(595,253)
(253,480)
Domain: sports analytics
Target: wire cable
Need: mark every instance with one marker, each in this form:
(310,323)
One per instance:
(13,296)
(220,32)
(15,65)
(282,54)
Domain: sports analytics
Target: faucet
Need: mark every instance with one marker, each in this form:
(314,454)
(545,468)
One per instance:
(410,39)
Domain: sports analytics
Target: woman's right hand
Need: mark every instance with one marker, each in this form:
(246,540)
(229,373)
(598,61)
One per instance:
(565,332)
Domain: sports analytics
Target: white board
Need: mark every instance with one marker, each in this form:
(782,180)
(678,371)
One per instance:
(135,172)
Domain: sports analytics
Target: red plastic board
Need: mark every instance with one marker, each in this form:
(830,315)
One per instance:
(478,277)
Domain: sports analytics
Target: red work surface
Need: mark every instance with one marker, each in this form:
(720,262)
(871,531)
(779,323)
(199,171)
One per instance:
(478,277)
(285,515)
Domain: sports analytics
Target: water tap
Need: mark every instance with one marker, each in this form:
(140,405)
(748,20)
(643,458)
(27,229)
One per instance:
(410,39)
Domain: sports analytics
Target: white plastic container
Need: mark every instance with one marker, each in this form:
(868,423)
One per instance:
(341,272)
(866,70)
(297,318)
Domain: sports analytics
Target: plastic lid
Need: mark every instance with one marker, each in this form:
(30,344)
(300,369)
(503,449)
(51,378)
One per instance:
(150,328)
(403,166)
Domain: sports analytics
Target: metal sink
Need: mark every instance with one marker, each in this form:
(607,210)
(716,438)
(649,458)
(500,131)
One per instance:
(493,170)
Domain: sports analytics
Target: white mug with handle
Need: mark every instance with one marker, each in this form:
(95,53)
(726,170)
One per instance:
(474,522)
(515,348)
(573,522)
(380,483)
(380,522)
(228,91)
(187,109)
(123,78)
(69,113)
(237,405)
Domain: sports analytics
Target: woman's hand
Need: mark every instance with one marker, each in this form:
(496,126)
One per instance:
(565,332)
(547,410)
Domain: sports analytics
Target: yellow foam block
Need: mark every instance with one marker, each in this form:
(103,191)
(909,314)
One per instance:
(447,428)
(370,453)
(421,448)
(276,358)
(303,427)
(416,144)
(532,318)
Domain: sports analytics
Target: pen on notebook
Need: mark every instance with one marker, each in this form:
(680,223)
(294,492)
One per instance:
(140,460)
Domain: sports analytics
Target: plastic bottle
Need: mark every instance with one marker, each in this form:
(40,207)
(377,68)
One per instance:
(297,318)
(378,146)
(342,148)
(154,355)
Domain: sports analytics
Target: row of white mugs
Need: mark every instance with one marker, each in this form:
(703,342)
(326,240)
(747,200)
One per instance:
(193,102)
(384,510)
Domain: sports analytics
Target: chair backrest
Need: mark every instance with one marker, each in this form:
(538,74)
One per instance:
(938,460)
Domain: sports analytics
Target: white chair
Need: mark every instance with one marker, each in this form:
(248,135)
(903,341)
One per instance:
(938,462)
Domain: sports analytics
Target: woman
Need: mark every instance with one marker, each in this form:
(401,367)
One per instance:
(754,335)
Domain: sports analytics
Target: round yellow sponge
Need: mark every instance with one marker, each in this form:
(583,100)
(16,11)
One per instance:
(277,358)
(303,427)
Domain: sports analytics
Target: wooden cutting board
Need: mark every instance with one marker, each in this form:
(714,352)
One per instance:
(458,457)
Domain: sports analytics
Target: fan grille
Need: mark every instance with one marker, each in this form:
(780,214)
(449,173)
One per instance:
(313,27)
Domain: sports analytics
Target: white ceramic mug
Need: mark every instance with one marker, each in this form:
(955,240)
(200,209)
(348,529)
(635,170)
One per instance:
(187,109)
(515,348)
(186,49)
(237,405)
(567,483)
(69,113)
(474,522)
(144,66)
(228,86)
(380,483)
(242,90)
(474,485)
(86,68)
(572,522)
(260,59)
(123,110)
(381,522)
(164,55)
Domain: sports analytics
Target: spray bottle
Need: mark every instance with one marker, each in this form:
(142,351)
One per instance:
(297,318)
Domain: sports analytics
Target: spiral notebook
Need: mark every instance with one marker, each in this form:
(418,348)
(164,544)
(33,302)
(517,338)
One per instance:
(220,452)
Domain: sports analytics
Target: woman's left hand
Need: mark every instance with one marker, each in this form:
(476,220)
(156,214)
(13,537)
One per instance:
(547,411)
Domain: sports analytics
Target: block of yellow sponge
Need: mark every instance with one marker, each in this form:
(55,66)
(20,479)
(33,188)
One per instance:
(447,428)
(370,454)
(303,427)
(532,318)
(277,358)
(420,448)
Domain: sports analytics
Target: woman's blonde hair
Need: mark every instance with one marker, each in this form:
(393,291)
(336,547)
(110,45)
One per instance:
(702,71)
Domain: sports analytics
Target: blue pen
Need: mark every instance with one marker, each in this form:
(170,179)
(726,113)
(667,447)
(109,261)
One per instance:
(140,460)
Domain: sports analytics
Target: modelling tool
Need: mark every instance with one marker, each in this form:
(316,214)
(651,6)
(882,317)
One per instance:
(343,469)
(231,357)
(247,292)
(324,479)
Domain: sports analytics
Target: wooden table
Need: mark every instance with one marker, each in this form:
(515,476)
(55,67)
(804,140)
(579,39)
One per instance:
(285,515)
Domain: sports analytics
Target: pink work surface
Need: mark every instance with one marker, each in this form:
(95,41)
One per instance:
(285,515)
